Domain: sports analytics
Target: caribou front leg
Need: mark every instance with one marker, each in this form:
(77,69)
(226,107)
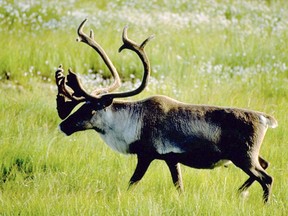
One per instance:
(175,171)
(141,168)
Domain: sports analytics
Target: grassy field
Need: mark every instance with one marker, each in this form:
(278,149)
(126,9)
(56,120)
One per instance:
(228,53)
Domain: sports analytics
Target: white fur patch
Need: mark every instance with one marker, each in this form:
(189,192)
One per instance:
(264,120)
(268,122)
(167,148)
(220,163)
(121,129)
(244,194)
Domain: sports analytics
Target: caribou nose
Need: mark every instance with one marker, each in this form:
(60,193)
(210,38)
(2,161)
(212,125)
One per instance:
(65,130)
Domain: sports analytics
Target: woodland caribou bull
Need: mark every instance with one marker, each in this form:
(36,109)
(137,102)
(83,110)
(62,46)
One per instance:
(159,127)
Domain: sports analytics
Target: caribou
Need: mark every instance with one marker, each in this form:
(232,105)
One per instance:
(159,127)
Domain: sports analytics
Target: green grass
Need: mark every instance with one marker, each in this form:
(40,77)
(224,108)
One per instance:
(203,53)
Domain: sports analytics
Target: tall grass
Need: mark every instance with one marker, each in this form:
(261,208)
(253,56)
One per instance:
(228,53)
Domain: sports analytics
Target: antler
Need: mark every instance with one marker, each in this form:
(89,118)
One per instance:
(70,90)
(67,99)
(139,49)
(91,42)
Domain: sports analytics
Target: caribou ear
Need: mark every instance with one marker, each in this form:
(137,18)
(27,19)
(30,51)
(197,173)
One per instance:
(106,101)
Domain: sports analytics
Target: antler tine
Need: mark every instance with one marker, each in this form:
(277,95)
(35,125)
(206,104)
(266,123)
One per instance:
(91,34)
(67,100)
(60,81)
(92,43)
(74,83)
(77,92)
(146,41)
(130,44)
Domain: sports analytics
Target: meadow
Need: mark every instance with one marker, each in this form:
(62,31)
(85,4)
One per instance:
(217,52)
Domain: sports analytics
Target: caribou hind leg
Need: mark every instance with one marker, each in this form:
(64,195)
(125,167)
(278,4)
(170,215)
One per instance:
(264,164)
(258,173)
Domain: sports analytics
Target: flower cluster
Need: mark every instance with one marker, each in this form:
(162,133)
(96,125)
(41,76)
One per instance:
(241,19)
(18,15)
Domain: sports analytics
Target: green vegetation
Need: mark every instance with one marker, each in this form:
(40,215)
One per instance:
(220,52)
